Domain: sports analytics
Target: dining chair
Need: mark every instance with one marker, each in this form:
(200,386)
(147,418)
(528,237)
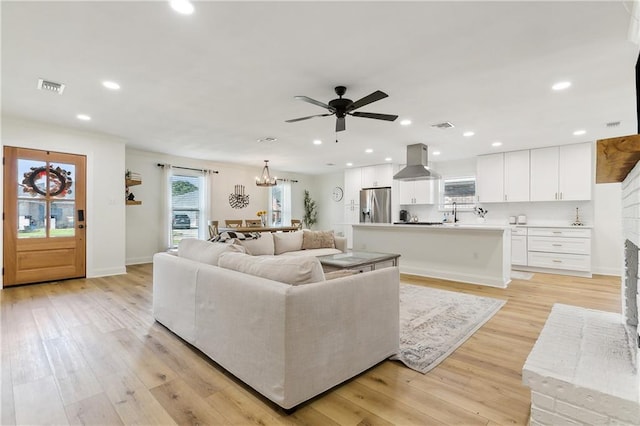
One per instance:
(297,223)
(252,222)
(213,228)
(233,223)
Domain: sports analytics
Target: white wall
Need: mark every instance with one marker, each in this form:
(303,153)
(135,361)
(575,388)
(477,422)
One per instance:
(105,215)
(144,235)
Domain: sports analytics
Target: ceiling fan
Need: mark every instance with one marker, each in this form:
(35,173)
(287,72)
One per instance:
(342,107)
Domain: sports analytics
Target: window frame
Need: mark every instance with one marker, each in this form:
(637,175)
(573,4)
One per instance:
(466,206)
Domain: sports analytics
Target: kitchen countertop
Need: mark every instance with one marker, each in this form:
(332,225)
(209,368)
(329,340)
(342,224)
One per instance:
(444,226)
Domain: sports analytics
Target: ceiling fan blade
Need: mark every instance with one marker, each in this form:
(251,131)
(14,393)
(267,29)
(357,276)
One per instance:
(313,101)
(387,117)
(375,96)
(293,120)
(340,124)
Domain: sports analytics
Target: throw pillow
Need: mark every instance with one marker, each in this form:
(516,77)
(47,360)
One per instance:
(289,270)
(230,235)
(260,246)
(204,251)
(317,239)
(284,242)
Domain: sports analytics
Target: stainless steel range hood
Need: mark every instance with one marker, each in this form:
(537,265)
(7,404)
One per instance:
(417,168)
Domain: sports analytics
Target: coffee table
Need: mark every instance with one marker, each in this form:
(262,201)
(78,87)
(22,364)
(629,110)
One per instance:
(360,261)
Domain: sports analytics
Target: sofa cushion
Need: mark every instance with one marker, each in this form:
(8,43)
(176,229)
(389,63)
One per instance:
(317,239)
(312,252)
(284,242)
(230,235)
(292,270)
(205,251)
(259,246)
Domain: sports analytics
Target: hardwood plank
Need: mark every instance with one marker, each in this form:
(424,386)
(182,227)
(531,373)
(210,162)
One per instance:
(64,356)
(39,402)
(132,401)
(185,405)
(78,385)
(96,410)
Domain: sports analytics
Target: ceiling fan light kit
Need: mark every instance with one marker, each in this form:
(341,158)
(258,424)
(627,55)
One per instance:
(341,107)
(265,178)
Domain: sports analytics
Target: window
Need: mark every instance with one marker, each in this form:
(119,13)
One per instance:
(459,190)
(186,207)
(280,205)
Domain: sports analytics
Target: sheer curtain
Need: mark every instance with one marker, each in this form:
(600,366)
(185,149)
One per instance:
(207,202)
(280,203)
(165,222)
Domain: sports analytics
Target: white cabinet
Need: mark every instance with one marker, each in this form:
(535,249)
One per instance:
(503,177)
(519,246)
(377,176)
(561,173)
(352,186)
(567,249)
(516,176)
(351,216)
(418,192)
(490,178)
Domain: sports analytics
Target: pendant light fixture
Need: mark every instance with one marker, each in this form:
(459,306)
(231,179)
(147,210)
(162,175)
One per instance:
(265,179)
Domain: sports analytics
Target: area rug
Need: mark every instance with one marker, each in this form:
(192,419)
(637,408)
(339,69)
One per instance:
(434,323)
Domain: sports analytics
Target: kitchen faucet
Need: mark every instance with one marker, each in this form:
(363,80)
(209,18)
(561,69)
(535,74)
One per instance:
(455,212)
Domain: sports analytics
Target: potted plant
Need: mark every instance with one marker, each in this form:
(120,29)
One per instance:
(310,211)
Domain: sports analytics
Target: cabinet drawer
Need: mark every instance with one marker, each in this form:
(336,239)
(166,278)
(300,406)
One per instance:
(560,244)
(560,232)
(573,262)
(518,231)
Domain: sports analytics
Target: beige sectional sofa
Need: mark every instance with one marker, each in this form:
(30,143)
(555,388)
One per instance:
(288,341)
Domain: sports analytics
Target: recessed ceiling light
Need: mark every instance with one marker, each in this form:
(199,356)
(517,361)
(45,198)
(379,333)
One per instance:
(317,142)
(436,153)
(405,122)
(467,134)
(496,144)
(561,85)
(579,132)
(83,117)
(388,159)
(111,85)
(368,150)
(182,6)
(349,164)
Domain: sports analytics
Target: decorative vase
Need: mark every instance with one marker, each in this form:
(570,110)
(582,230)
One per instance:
(263,219)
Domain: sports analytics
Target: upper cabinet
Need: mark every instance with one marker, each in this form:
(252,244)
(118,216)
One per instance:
(503,177)
(561,173)
(418,192)
(516,176)
(352,186)
(377,176)
(490,178)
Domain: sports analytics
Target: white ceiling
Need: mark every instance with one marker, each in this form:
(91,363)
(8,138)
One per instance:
(210,84)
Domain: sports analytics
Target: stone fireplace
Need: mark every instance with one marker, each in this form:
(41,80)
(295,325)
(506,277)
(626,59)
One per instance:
(583,368)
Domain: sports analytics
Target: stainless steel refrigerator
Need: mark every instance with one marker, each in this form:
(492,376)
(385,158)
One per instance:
(375,205)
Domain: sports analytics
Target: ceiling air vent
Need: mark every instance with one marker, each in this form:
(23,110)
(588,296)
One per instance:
(50,86)
(268,139)
(445,125)
(613,124)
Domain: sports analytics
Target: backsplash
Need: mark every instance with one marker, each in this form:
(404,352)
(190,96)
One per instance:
(538,213)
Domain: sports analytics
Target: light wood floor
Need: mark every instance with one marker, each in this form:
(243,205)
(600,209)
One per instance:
(89,352)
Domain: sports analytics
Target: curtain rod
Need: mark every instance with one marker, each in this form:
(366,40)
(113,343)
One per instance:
(287,180)
(188,168)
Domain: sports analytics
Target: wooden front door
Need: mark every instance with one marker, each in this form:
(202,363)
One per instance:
(44,213)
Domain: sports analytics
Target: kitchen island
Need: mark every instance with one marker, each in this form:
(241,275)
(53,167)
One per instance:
(477,254)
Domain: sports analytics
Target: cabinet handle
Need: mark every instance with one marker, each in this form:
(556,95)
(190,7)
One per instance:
(505,197)
(556,232)
(556,261)
(556,195)
(561,195)
(556,245)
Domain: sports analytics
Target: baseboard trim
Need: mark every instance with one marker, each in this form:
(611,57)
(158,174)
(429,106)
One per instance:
(463,278)
(138,260)
(96,273)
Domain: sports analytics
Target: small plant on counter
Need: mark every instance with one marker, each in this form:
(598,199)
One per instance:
(480,212)
(310,211)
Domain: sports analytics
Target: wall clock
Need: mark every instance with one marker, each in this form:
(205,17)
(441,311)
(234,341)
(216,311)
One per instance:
(337,193)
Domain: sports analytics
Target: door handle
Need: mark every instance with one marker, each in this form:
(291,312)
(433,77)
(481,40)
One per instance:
(81,226)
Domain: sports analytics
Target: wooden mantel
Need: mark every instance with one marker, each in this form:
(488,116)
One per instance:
(616,157)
